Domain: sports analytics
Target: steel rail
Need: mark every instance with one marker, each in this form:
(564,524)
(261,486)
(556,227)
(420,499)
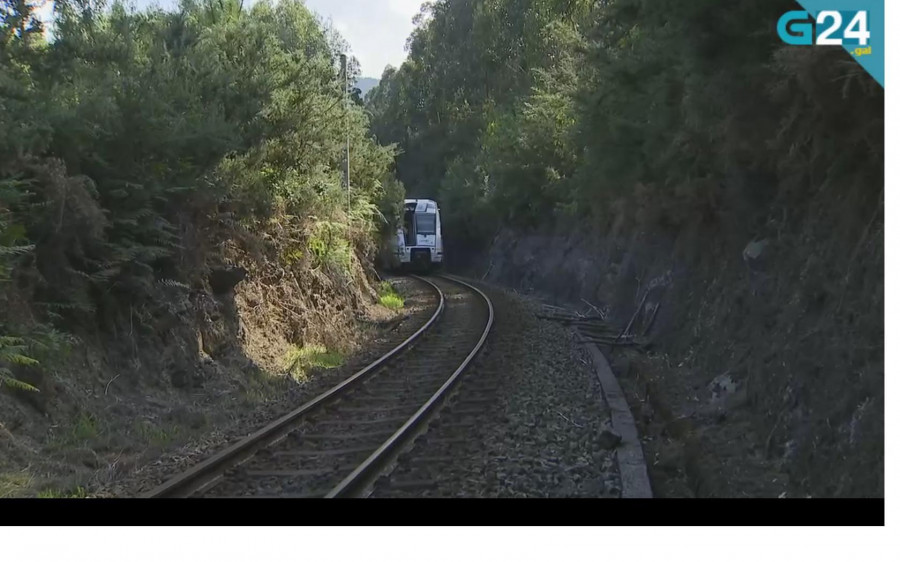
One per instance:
(359,479)
(201,475)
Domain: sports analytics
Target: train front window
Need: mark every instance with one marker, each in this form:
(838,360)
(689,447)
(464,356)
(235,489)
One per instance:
(425,224)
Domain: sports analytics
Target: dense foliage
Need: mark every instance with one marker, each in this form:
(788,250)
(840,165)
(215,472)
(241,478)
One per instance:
(671,136)
(130,130)
(521,111)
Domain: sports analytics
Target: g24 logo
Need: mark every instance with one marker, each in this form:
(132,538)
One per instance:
(798,27)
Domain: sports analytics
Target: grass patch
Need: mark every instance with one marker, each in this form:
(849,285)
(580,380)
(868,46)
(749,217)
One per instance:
(301,359)
(393,302)
(12,484)
(85,429)
(156,435)
(388,296)
(257,387)
(51,493)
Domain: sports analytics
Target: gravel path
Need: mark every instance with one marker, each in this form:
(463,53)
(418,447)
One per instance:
(526,420)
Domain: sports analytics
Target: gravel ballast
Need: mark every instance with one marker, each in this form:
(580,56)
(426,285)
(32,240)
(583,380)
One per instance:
(528,419)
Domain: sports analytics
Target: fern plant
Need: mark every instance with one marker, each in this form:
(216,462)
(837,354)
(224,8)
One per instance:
(11,234)
(12,352)
(330,246)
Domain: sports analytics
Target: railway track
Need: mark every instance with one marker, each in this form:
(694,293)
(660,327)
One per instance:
(339,443)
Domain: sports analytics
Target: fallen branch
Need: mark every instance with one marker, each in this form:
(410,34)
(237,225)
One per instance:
(634,316)
(630,337)
(605,336)
(109,383)
(652,318)
(566,310)
(609,342)
(571,320)
(595,324)
(597,310)
(589,320)
(570,421)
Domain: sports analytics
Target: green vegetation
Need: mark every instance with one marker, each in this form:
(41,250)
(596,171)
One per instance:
(13,349)
(139,148)
(40,343)
(329,246)
(133,128)
(12,352)
(530,112)
(394,302)
(671,134)
(301,359)
(85,429)
(389,297)
(13,484)
(156,435)
(77,493)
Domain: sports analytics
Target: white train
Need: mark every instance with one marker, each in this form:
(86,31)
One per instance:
(418,243)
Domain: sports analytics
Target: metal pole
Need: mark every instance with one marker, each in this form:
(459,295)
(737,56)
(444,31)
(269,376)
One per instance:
(346,73)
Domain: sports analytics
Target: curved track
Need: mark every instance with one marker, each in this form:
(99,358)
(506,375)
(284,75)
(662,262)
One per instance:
(338,443)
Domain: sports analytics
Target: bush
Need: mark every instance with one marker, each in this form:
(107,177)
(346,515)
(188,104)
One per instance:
(132,128)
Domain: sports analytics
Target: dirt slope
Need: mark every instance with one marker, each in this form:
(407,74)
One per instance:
(200,357)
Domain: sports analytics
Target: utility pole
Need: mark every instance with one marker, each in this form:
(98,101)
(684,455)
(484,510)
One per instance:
(346,77)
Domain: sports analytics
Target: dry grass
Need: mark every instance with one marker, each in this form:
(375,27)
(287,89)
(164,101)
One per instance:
(13,484)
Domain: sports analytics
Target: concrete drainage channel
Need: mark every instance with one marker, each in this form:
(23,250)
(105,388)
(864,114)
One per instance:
(622,435)
(629,454)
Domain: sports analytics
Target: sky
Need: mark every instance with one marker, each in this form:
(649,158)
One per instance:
(376,29)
